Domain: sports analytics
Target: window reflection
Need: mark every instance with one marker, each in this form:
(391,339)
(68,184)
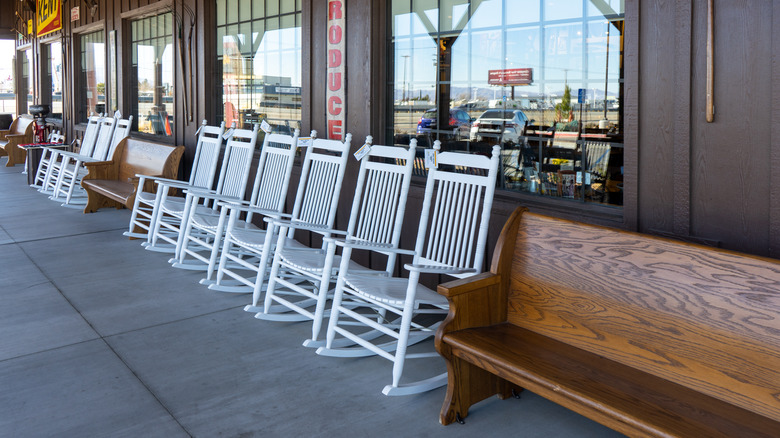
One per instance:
(541,78)
(259,52)
(52,80)
(92,78)
(153,84)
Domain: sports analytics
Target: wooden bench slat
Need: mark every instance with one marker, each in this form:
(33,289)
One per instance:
(594,385)
(648,336)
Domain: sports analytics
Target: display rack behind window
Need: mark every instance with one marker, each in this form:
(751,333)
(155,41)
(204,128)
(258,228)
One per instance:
(542,78)
(92,75)
(259,62)
(27,80)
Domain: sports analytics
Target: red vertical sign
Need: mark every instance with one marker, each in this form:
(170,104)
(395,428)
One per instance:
(336,78)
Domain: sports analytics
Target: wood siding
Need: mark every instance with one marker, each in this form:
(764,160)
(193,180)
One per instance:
(717,183)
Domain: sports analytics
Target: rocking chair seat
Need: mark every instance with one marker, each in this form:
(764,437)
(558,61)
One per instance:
(391,291)
(174,205)
(314,261)
(251,235)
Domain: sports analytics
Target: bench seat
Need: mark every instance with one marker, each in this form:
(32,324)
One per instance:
(645,335)
(115,184)
(598,387)
(120,191)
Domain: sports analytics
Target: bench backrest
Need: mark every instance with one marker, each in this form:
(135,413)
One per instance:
(704,318)
(22,125)
(143,157)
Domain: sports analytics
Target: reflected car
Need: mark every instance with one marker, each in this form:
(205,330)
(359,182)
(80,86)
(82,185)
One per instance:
(459,123)
(493,123)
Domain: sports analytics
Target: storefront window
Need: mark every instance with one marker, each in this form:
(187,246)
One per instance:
(152,70)
(259,54)
(52,80)
(542,78)
(92,78)
(26,82)
(7,75)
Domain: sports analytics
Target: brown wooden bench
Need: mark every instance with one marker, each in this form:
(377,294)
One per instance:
(20,132)
(648,336)
(114,183)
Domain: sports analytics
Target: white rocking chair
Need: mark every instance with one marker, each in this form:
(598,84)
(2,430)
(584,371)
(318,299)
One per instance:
(54,162)
(316,200)
(113,131)
(172,213)
(204,168)
(55,137)
(203,234)
(375,222)
(450,241)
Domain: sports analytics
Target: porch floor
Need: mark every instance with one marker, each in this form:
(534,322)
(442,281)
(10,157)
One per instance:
(99,337)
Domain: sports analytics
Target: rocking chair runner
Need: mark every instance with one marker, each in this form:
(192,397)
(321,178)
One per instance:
(451,240)
(315,203)
(172,214)
(376,219)
(203,233)
(204,167)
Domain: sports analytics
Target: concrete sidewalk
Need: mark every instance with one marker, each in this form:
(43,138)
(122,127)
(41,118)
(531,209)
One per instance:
(101,338)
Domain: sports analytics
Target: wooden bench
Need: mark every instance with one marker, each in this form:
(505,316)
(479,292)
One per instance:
(20,132)
(114,183)
(648,336)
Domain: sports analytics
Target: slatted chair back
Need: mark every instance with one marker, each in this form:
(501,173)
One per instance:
(204,164)
(380,195)
(454,223)
(103,142)
(320,184)
(56,137)
(273,172)
(121,131)
(597,157)
(234,174)
(87,144)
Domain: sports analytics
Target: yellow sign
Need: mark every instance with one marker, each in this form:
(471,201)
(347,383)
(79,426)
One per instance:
(48,15)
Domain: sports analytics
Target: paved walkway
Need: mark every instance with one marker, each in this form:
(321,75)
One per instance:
(100,338)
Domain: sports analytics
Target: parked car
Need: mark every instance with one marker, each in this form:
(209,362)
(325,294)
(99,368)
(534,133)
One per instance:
(459,123)
(493,123)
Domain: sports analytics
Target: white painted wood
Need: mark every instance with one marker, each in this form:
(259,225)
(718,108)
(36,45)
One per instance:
(202,235)
(204,168)
(451,240)
(315,203)
(233,177)
(376,218)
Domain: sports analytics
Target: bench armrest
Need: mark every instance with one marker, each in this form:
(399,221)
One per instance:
(477,301)
(100,170)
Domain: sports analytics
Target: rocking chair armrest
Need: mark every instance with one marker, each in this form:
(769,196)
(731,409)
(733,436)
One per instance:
(242,205)
(433,269)
(172,184)
(210,194)
(300,225)
(370,246)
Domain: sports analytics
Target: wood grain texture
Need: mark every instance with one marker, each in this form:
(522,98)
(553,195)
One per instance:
(649,336)
(700,317)
(114,183)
